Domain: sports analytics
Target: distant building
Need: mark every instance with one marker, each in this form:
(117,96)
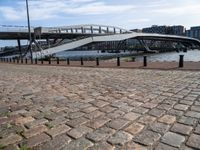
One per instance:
(137,30)
(194,32)
(173,30)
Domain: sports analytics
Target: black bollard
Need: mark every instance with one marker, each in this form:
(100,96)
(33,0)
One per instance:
(82,61)
(36,61)
(10,60)
(58,61)
(17,60)
(42,62)
(49,61)
(31,60)
(68,61)
(22,61)
(181,61)
(145,61)
(26,61)
(97,61)
(118,61)
(14,60)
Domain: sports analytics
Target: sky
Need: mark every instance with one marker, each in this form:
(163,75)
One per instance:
(128,14)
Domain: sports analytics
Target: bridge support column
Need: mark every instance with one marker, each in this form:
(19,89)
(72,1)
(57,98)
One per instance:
(19,47)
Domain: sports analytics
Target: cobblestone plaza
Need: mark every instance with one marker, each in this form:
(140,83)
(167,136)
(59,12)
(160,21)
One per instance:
(72,108)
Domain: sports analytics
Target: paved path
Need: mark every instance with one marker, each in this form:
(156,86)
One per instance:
(53,108)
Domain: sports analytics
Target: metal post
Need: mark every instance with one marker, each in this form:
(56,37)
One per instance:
(17,60)
(42,62)
(22,61)
(145,61)
(29,31)
(49,61)
(181,61)
(26,60)
(14,60)
(97,61)
(68,61)
(82,61)
(35,60)
(58,61)
(118,61)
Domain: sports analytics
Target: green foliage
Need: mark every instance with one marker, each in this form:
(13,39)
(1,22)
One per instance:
(49,125)
(24,148)
(2,147)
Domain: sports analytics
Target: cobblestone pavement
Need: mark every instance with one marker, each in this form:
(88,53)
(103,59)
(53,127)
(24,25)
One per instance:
(59,108)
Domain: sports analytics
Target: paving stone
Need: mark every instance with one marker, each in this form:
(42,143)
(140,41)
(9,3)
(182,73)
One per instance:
(11,139)
(11,147)
(77,122)
(75,115)
(35,131)
(115,114)
(197,129)
(36,123)
(89,109)
(193,114)
(133,146)
(23,120)
(134,128)
(126,108)
(162,146)
(175,112)
(102,146)
(94,114)
(107,109)
(167,119)
(181,129)
(61,129)
(181,107)
(140,110)
(186,102)
(159,127)
(99,103)
(173,139)
(188,121)
(118,123)
(156,112)
(149,105)
(100,134)
(147,119)
(56,144)
(164,107)
(118,104)
(80,144)
(37,140)
(120,138)
(195,108)
(79,131)
(131,116)
(147,138)
(194,141)
(98,122)
(58,121)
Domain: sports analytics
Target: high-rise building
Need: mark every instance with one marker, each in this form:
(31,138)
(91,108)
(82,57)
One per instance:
(173,30)
(194,32)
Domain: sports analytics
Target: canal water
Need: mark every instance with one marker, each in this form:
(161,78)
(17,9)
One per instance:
(191,55)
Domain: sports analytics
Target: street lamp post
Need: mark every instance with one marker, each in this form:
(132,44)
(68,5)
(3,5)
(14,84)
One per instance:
(29,31)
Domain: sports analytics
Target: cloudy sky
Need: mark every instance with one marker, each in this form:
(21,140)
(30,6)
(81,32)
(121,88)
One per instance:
(123,13)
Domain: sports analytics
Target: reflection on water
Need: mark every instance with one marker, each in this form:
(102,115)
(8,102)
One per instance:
(192,55)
